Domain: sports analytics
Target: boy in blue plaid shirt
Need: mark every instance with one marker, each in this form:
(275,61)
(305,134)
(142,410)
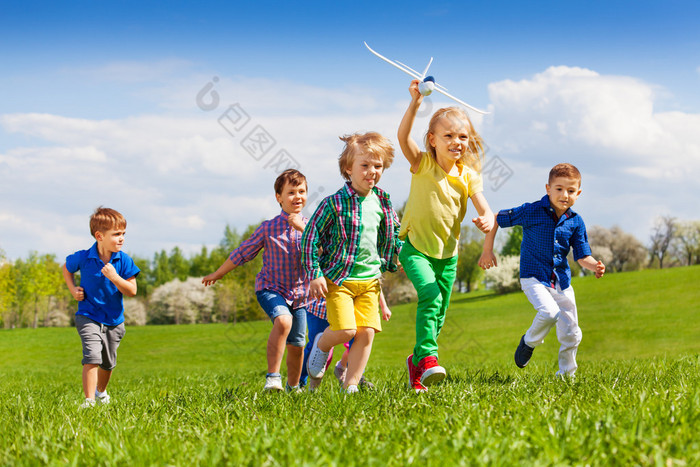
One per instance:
(550,230)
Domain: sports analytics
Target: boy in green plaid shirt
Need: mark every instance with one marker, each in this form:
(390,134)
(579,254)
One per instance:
(357,231)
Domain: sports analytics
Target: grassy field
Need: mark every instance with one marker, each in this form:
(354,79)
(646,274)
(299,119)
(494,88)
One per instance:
(191,395)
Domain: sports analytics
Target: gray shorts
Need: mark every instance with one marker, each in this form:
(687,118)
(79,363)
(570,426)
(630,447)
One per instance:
(100,342)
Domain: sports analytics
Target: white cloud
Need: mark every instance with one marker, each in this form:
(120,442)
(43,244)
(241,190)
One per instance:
(574,110)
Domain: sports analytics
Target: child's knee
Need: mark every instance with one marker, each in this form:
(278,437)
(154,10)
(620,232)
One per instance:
(571,337)
(283,323)
(429,295)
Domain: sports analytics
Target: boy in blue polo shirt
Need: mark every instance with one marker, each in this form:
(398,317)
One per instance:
(106,273)
(550,229)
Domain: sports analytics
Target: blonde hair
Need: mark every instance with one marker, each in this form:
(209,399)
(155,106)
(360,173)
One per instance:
(474,155)
(369,143)
(104,219)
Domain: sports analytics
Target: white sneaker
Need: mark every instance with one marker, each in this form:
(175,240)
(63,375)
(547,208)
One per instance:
(352,389)
(102,398)
(316,366)
(87,403)
(293,389)
(339,371)
(273,383)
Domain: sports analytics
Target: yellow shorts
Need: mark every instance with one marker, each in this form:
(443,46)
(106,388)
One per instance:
(353,304)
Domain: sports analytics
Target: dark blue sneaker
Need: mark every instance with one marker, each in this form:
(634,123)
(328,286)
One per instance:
(523,353)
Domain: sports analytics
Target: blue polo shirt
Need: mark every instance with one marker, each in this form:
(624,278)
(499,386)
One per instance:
(103,301)
(547,240)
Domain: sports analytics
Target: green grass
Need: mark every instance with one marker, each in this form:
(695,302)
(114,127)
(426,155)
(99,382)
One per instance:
(191,395)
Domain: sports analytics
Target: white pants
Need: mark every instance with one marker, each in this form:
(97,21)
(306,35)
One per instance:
(554,306)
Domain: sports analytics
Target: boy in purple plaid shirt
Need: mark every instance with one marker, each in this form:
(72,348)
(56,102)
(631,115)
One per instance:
(281,285)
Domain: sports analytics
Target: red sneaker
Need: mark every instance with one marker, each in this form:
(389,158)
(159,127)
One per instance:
(430,372)
(414,376)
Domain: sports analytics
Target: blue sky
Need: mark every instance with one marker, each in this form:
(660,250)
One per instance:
(98,106)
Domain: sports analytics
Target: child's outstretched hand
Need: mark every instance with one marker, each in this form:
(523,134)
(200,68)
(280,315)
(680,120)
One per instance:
(599,270)
(318,288)
(483,223)
(210,279)
(487,260)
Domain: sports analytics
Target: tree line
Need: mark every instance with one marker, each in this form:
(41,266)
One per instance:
(33,293)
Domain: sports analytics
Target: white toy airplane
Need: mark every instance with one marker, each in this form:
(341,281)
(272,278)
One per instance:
(427,83)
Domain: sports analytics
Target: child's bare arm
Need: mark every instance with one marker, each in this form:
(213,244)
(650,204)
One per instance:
(486,219)
(224,269)
(76,291)
(591,264)
(125,286)
(488,259)
(384,306)
(409,147)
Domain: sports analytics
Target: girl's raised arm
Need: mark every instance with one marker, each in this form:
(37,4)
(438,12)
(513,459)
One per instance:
(409,147)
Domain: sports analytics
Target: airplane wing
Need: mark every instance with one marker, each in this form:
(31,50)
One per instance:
(404,68)
(460,101)
(411,72)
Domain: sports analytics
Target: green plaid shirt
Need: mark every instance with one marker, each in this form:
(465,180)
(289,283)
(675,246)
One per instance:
(335,227)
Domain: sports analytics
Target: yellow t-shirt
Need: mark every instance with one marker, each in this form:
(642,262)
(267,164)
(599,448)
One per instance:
(436,207)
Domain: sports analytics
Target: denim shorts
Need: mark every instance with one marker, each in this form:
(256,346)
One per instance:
(275,305)
(100,342)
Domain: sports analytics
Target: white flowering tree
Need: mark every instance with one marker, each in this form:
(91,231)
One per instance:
(134,312)
(505,277)
(181,302)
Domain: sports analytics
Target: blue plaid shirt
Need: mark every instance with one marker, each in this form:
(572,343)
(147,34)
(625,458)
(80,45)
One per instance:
(547,240)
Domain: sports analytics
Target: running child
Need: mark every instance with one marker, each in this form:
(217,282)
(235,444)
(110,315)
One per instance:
(357,230)
(444,177)
(550,230)
(106,274)
(280,287)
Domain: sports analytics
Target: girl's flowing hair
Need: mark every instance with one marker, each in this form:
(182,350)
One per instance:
(474,155)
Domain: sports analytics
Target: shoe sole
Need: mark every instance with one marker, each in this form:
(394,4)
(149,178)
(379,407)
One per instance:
(433,376)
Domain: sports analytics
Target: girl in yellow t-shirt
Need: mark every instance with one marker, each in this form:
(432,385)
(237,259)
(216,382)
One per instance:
(443,179)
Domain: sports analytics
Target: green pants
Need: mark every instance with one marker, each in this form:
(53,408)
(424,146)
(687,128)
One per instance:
(433,280)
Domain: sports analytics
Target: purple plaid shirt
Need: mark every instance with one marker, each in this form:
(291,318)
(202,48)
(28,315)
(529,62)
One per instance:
(281,271)
(317,308)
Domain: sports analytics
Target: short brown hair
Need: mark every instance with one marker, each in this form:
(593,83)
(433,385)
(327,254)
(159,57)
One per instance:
(104,219)
(372,143)
(564,170)
(291,176)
